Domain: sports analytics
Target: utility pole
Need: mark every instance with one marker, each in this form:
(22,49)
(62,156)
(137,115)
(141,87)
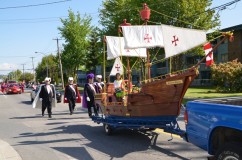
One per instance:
(23,73)
(58,50)
(33,67)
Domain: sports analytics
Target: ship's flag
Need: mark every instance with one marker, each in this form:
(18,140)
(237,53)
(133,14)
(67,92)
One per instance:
(117,67)
(178,40)
(115,48)
(209,59)
(146,36)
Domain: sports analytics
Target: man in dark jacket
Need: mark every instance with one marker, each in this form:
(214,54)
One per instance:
(71,94)
(89,94)
(46,95)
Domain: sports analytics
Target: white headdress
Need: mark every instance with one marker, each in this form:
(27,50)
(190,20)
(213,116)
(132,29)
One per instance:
(48,79)
(70,79)
(99,76)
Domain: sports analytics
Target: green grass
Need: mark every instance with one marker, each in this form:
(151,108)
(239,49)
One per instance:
(205,92)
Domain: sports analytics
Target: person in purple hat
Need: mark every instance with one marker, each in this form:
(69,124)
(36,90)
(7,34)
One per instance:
(89,94)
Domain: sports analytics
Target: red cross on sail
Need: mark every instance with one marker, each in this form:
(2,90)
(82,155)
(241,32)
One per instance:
(147,38)
(174,40)
(178,40)
(117,67)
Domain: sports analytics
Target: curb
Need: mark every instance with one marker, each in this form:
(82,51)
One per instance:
(7,152)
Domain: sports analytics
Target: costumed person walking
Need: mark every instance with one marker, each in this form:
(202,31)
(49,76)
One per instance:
(99,85)
(89,95)
(46,95)
(72,95)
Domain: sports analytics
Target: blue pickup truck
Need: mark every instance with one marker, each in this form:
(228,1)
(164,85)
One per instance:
(215,125)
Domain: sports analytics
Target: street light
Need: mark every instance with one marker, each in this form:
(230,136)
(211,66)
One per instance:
(47,68)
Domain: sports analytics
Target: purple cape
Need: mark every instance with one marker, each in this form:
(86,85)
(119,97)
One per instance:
(84,101)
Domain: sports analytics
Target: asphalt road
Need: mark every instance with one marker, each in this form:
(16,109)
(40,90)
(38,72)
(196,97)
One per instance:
(77,137)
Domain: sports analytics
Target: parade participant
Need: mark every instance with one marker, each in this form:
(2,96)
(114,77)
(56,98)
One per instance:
(118,87)
(46,95)
(72,95)
(22,86)
(3,86)
(99,85)
(89,95)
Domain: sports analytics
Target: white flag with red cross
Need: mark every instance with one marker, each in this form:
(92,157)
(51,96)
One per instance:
(209,59)
(115,48)
(117,67)
(178,40)
(146,36)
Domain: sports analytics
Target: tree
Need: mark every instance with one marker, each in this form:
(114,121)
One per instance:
(227,76)
(50,62)
(94,51)
(75,31)
(180,13)
(28,77)
(14,75)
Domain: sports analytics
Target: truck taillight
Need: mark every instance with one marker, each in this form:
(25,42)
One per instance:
(185,117)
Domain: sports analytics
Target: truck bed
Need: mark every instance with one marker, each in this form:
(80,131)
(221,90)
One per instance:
(236,101)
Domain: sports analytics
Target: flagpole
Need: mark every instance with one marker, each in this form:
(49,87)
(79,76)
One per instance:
(104,64)
(170,65)
(226,35)
(128,64)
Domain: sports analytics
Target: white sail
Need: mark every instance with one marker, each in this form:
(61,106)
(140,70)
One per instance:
(146,36)
(117,67)
(178,40)
(115,48)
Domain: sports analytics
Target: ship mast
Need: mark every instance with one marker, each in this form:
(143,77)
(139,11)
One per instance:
(145,16)
(128,64)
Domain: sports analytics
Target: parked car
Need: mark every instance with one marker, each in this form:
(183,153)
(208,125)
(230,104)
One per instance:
(35,91)
(13,88)
(215,125)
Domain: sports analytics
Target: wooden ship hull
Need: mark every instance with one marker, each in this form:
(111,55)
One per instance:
(157,97)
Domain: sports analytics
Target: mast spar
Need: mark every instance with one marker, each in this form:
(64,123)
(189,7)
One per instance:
(145,16)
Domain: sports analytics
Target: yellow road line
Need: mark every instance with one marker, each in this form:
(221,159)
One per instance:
(162,132)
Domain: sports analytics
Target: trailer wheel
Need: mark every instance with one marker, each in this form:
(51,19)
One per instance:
(230,151)
(108,129)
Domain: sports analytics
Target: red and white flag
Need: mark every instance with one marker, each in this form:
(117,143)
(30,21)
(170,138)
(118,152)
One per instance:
(209,59)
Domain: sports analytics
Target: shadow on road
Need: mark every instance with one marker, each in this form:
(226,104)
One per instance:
(121,143)
(75,152)
(26,102)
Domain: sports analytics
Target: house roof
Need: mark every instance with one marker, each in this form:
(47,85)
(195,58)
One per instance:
(233,28)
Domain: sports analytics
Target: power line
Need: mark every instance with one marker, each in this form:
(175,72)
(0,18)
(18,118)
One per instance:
(220,7)
(34,5)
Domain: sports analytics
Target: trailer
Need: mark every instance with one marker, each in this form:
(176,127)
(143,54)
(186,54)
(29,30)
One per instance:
(167,123)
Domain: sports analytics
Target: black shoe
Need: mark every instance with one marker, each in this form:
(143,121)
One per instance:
(50,116)
(43,114)
(71,113)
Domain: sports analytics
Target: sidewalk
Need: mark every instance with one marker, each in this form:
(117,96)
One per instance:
(7,152)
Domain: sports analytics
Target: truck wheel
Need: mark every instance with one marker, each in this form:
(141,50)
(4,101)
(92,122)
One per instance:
(108,129)
(230,151)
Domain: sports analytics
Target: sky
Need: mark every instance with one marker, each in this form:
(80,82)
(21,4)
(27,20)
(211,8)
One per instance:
(24,31)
